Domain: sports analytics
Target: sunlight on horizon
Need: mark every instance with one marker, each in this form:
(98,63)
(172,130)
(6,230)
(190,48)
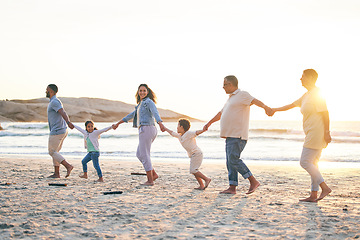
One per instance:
(106,50)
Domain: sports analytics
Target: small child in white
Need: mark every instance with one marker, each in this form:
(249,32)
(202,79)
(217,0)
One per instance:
(91,138)
(187,140)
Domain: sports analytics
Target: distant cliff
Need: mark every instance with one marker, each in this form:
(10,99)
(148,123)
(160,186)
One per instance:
(78,109)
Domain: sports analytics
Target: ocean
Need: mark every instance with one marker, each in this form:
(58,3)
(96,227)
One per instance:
(270,141)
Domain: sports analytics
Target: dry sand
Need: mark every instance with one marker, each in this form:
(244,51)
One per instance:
(172,209)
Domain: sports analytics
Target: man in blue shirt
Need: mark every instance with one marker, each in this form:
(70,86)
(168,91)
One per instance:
(57,119)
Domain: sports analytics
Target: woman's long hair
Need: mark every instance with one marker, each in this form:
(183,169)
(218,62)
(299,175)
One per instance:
(150,95)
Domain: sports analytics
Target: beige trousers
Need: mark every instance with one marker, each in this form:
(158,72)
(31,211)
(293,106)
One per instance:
(54,146)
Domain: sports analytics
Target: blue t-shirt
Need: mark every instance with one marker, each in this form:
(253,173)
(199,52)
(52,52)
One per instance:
(57,124)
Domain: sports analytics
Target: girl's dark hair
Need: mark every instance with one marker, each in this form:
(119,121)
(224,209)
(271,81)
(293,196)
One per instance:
(150,95)
(87,122)
(185,124)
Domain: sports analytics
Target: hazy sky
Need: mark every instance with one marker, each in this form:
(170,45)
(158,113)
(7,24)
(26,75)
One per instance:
(183,50)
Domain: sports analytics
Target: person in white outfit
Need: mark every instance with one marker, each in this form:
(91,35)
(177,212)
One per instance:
(91,140)
(187,140)
(316,125)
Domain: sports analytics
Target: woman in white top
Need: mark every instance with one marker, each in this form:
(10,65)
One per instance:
(316,127)
(91,140)
(187,140)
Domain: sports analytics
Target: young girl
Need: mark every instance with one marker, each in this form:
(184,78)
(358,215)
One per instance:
(91,138)
(187,140)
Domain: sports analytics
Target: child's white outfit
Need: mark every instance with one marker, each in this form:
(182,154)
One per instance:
(195,154)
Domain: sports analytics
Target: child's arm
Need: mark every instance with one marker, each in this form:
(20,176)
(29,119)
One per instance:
(104,129)
(172,133)
(79,129)
(198,132)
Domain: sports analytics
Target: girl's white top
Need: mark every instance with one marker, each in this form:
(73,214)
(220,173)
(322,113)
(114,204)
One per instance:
(188,141)
(93,136)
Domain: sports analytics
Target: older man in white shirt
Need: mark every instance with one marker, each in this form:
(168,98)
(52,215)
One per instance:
(234,127)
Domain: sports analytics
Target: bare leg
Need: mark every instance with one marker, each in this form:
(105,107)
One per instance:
(84,175)
(312,198)
(325,190)
(230,190)
(254,184)
(150,181)
(199,177)
(56,172)
(68,167)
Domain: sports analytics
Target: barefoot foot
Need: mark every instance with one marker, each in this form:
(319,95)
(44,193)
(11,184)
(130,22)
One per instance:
(100,180)
(207,182)
(253,187)
(324,193)
(69,169)
(228,191)
(83,176)
(147,183)
(309,199)
(54,176)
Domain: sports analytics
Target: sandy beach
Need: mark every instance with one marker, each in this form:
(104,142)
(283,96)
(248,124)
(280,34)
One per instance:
(172,209)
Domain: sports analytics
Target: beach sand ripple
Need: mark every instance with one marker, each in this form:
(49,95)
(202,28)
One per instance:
(172,208)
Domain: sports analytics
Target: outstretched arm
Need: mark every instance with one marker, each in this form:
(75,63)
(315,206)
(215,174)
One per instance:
(267,109)
(116,125)
(214,119)
(284,108)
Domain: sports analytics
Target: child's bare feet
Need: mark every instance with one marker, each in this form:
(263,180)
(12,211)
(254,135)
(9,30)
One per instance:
(69,169)
(100,180)
(147,183)
(200,188)
(84,175)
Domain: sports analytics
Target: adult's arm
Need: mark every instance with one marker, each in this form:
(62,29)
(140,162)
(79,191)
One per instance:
(326,120)
(154,111)
(214,119)
(284,108)
(62,112)
(127,117)
(267,109)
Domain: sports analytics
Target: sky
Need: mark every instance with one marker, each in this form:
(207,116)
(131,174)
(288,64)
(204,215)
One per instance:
(183,50)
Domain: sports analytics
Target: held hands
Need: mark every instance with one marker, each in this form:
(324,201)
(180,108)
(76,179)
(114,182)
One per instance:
(116,125)
(162,127)
(206,127)
(71,126)
(269,111)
